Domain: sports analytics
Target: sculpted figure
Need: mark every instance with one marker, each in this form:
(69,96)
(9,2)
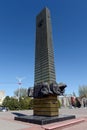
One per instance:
(44,89)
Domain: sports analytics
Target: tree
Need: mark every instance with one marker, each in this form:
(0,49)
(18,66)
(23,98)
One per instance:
(11,103)
(14,104)
(24,103)
(74,94)
(83,91)
(22,92)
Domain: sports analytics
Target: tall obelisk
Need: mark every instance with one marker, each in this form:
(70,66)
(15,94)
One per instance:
(44,65)
(44,54)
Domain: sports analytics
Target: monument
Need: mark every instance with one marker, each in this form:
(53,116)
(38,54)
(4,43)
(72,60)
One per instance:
(46,89)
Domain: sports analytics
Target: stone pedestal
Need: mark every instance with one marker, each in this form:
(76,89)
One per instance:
(42,120)
(46,106)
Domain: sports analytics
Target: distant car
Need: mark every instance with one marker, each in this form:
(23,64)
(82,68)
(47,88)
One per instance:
(3,109)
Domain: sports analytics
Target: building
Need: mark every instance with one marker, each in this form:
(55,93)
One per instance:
(2,96)
(44,54)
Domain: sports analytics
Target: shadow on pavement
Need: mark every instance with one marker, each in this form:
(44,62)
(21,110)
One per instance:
(18,114)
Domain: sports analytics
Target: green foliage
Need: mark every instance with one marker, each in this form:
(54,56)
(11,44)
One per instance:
(24,103)
(31,104)
(11,103)
(14,104)
(59,104)
(83,91)
(6,101)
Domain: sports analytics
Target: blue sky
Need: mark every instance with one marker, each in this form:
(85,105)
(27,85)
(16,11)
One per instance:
(17,42)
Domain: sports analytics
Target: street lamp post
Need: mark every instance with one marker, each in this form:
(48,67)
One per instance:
(19,83)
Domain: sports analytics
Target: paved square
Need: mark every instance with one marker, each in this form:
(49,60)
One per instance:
(7,121)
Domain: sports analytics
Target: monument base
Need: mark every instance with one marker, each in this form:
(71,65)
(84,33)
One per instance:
(42,120)
(46,106)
